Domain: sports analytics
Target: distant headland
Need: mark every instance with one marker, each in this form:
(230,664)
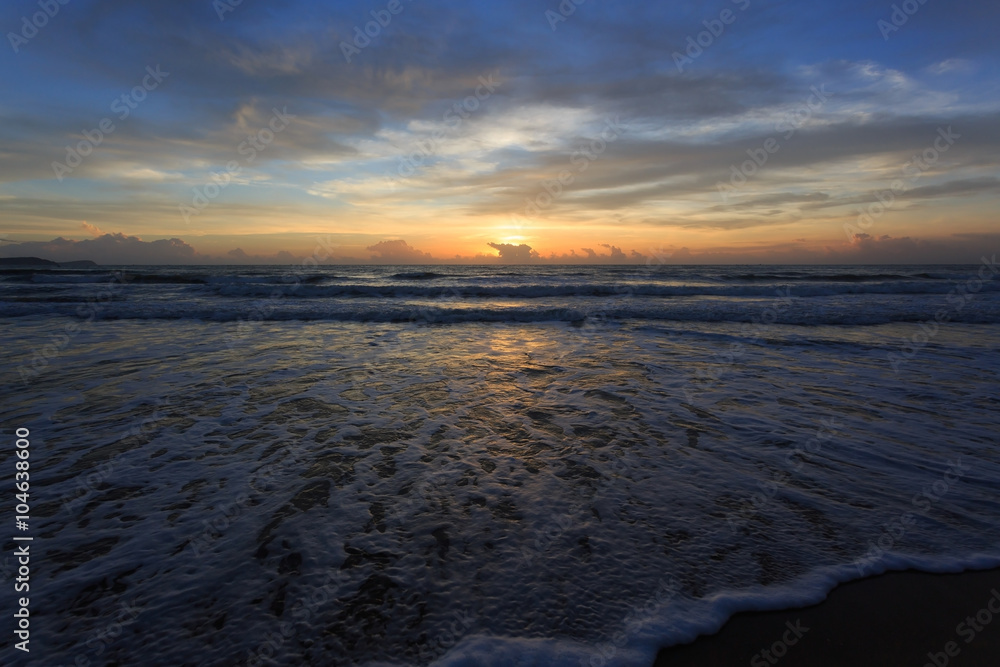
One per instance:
(37,262)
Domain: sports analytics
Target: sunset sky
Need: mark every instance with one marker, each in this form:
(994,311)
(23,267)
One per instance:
(244,126)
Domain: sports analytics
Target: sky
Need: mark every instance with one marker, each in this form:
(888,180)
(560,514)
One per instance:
(439,131)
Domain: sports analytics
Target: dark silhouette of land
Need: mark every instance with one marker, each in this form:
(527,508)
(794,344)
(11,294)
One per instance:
(37,262)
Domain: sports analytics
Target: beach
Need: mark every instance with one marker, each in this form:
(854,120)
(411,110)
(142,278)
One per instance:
(458,466)
(899,618)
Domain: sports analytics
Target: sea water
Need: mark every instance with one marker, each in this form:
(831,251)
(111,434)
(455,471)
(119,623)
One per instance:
(485,465)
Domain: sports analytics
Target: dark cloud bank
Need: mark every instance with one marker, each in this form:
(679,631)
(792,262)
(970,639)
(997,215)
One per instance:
(118,248)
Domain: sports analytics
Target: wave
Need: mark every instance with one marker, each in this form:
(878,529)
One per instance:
(624,290)
(290,278)
(802,297)
(681,620)
(486,275)
(579,313)
(93,277)
(418,275)
(44,277)
(154,278)
(836,278)
(63,278)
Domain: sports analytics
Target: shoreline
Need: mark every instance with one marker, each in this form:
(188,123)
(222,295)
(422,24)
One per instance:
(895,618)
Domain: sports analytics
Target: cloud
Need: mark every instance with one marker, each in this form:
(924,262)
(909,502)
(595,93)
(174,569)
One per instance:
(963,187)
(888,250)
(591,256)
(864,249)
(107,249)
(398,252)
(356,121)
(93,230)
(958,248)
(950,65)
(616,253)
(516,254)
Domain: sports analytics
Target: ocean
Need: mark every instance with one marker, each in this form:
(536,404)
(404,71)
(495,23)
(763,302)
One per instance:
(502,465)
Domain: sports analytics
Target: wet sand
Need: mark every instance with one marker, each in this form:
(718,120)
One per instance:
(899,618)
